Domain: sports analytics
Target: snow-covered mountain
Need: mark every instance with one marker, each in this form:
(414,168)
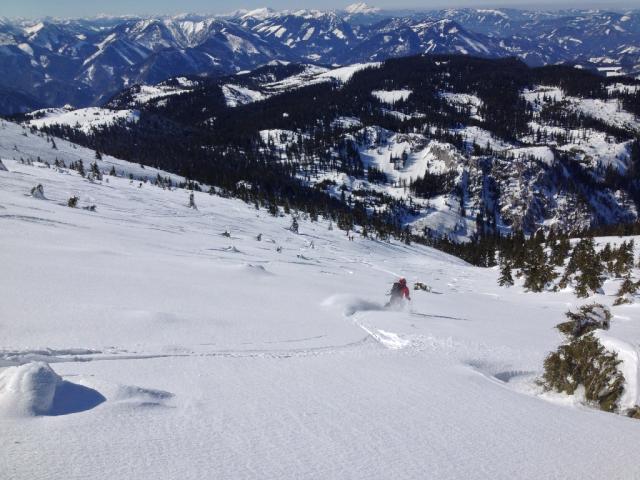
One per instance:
(84,62)
(148,339)
(361,9)
(444,145)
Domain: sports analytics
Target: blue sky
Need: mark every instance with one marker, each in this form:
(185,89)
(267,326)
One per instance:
(78,8)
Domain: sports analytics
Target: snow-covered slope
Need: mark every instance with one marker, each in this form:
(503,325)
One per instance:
(178,351)
(83,119)
(17,143)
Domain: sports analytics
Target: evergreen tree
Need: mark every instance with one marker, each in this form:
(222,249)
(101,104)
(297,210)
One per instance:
(519,250)
(627,289)
(588,268)
(607,257)
(38,192)
(294,225)
(560,251)
(623,259)
(95,171)
(505,279)
(537,271)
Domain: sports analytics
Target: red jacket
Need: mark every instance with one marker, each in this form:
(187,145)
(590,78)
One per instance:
(405,292)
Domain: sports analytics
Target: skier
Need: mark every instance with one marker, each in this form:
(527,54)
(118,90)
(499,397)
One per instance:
(398,291)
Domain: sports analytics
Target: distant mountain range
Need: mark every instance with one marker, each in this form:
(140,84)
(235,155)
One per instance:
(50,63)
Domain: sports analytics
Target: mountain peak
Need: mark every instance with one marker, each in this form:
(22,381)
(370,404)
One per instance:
(361,8)
(259,13)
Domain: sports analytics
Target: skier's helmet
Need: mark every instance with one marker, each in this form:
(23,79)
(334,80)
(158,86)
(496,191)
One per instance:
(402,281)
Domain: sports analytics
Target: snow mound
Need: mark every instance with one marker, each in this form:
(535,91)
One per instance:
(630,358)
(35,389)
(141,397)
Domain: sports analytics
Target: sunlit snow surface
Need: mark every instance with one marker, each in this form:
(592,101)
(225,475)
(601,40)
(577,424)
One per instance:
(84,119)
(198,355)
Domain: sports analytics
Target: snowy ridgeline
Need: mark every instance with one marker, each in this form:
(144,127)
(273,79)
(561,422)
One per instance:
(19,144)
(236,95)
(83,119)
(216,342)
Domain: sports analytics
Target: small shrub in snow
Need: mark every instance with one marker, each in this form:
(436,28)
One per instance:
(294,225)
(72,202)
(626,292)
(587,319)
(634,412)
(38,192)
(585,362)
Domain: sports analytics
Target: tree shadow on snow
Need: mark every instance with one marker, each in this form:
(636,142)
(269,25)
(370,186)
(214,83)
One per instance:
(73,398)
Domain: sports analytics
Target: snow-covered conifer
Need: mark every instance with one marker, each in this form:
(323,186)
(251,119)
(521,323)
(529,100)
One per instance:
(294,225)
(38,192)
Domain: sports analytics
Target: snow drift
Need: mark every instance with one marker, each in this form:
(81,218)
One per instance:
(630,362)
(35,389)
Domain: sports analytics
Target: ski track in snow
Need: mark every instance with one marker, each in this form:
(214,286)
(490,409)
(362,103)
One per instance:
(206,356)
